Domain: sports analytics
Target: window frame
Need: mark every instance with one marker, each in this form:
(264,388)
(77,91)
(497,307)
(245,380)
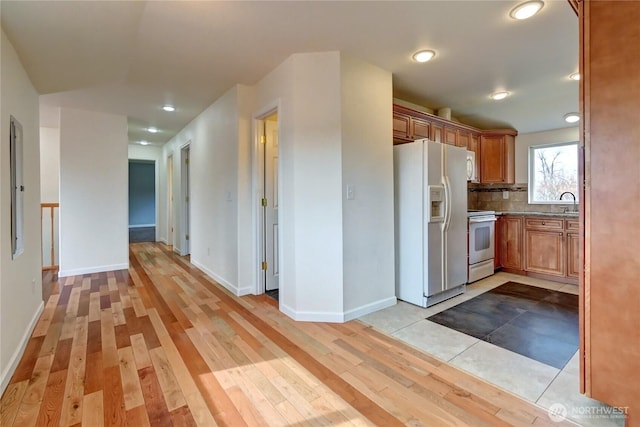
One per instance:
(531,174)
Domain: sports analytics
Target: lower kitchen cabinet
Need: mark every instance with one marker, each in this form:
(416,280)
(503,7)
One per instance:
(544,252)
(572,228)
(497,243)
(546,247)
(511,247)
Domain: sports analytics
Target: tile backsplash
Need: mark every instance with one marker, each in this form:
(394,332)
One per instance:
(490,197)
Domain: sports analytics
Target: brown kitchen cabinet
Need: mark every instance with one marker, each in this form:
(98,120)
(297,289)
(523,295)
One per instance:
(544,246)
(450,135)
(497,244)
(437,132)
(573,248)
(474,144)
(497,157)
(511,239)
(463,139)
(495,149)
(541,246)
(407,128)
(409,125)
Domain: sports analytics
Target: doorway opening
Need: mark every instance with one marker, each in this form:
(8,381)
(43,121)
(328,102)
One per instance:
(142,201)
(268,171)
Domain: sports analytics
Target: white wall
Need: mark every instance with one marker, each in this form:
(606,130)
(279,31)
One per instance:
(247,268)
(524,141)
(307,89)
(331,108)
(214,169)
(367,164)
(321,264)
(93,192)
(20,279)
(49,165)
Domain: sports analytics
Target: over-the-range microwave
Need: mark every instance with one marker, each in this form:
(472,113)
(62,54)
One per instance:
(472,173)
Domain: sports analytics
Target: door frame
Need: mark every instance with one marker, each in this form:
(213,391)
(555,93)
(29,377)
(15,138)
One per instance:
(170,209)
(185,186)
(258,153)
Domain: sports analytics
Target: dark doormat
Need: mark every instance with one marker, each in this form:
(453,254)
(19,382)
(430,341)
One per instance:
(537,323)
(142,234)
(275,294)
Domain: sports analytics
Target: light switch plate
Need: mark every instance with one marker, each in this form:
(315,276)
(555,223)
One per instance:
(351,192)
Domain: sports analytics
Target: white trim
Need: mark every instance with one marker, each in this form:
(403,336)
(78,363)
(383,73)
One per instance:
(369,308)
(340,317)
(142,226)
(169,199)
(17,355)
(185,206)
(257,186)
(312,316)
(163,240)
(221,281)
(90,270)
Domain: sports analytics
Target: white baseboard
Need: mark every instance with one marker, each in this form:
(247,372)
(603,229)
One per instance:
(90,270)
(312,316)
(222,281)
(354,313)
(142,226)
(337,317)
(17,355)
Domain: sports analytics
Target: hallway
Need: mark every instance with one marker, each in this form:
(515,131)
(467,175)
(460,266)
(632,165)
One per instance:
(162,344)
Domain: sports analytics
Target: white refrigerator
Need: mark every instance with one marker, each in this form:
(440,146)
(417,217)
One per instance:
(431,221)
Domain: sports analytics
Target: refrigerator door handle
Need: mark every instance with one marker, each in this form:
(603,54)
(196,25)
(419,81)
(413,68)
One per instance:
(447,203)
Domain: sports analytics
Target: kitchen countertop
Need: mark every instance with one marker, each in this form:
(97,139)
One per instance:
(557,214)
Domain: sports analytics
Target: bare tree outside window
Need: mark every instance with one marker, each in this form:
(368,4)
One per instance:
(553,169)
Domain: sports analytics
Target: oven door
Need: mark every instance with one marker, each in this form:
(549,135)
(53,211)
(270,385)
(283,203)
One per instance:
(481,238)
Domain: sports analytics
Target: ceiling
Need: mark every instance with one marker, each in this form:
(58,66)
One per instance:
(130,57)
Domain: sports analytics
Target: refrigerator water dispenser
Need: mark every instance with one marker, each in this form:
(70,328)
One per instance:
(436,203)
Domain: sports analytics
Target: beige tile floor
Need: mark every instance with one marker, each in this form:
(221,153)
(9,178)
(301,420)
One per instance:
(549,387)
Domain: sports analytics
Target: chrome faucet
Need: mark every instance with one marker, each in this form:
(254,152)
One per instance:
(574,200)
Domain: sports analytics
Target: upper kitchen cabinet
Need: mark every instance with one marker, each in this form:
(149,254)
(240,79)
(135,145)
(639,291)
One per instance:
(495,149)
(497,156)
(407,126)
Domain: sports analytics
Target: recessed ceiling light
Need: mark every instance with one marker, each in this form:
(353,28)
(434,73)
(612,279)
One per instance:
(497,96)
(168,108)
(572,117)
(423,55)
(143,143)
(575,76)
(526,10)
(152,130)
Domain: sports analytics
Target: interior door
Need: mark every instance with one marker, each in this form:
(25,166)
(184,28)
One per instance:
(271,197)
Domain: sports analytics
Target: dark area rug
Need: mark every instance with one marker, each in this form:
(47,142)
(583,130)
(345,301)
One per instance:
(142,234)
(537,323)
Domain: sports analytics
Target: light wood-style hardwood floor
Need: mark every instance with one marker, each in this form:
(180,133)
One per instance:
(163,344)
